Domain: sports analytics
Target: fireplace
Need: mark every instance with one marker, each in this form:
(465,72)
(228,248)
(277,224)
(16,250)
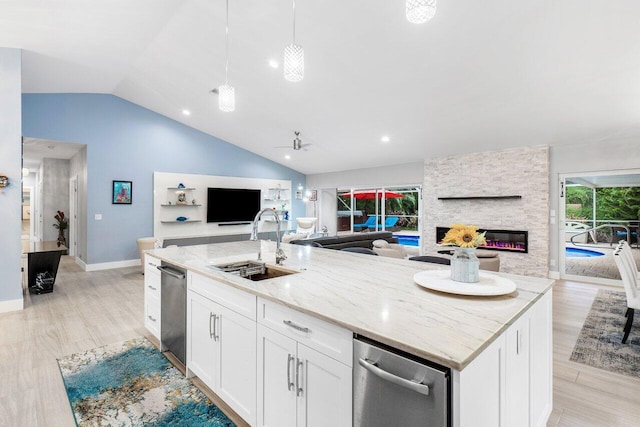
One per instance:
(499,240)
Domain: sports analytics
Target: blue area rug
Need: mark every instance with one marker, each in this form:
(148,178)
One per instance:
(133,384)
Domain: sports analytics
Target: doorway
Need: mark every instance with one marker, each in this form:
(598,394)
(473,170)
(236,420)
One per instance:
(596,210)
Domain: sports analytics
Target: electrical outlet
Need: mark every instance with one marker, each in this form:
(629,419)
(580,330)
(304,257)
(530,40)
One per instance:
(97,217)
(552,262)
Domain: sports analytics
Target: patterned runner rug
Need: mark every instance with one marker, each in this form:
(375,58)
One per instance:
(599,343)
(132,384)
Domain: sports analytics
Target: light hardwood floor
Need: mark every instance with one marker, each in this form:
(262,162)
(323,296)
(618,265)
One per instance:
(87,310)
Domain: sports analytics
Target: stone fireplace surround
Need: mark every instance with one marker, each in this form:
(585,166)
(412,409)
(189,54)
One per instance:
(471,189)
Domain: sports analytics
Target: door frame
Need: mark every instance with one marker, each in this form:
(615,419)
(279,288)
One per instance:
(562,177)
(73,213)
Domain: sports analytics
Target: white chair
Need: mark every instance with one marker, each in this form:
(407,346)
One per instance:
(306,225)
(628,272)
(627,252)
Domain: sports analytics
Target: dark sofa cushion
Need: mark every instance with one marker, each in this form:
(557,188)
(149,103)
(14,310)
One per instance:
(361,240)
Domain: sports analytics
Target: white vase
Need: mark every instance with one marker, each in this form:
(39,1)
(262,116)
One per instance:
(465,266)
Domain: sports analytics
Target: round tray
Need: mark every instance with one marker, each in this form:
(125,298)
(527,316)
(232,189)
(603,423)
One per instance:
(440,280)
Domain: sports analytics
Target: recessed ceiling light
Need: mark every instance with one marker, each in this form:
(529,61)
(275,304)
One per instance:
(273,63)
(186,112)
(385,139)
(287,157)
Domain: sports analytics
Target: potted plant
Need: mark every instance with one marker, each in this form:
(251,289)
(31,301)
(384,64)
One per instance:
(464,264)
(62,223)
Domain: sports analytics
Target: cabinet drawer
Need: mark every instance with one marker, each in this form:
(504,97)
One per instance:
(151,264)
(152,315)
(234,299)
(328,339)
(152,286)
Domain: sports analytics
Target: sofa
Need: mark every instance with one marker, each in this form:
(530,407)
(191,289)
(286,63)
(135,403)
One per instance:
(361,240)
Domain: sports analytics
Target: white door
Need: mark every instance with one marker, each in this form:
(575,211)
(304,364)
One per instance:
(73,223)
(323,389)
(237,379)
(202,334)
(276,379)
(517,373)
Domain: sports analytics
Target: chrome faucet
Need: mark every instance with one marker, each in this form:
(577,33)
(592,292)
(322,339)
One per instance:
(280,256)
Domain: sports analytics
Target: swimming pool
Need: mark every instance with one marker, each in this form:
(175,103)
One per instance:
(408,240)
(582,253)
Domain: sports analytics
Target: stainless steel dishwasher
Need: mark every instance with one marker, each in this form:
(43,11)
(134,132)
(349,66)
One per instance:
(391,388)
(173,305)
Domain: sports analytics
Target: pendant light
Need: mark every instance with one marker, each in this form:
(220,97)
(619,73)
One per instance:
(420,11)
(226,93)
(294,56)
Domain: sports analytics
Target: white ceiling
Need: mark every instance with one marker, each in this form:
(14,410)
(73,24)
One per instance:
(481,75)
(36,149)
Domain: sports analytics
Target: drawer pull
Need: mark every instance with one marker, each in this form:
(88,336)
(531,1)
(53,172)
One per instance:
(152,319)
(296,327)
(152,288)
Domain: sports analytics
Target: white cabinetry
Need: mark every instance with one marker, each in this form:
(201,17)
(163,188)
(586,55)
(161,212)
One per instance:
(510,382)
(304,370)
(152,295)
(221,348)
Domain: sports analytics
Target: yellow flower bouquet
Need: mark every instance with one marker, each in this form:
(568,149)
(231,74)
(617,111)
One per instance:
(464,236)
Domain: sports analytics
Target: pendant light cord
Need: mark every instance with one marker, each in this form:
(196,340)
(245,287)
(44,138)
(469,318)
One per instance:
(294,21)
(226,65)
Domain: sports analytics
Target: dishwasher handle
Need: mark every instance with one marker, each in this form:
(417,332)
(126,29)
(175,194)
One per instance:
(171,272)
(411,385)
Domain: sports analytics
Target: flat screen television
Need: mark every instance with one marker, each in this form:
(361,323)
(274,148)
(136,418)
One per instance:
(232,204)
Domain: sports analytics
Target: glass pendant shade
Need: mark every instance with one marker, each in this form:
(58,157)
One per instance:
(294,63)
(226,98)
(420,11)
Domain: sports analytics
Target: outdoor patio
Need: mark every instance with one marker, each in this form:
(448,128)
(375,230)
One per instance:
(601,267)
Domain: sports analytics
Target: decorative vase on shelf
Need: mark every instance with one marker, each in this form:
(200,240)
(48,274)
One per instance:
(465,266)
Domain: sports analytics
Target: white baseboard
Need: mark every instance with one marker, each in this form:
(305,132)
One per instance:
(11,305)
(110,265)
(81,263)
(554,275)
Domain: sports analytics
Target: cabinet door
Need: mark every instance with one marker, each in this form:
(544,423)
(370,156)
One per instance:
(541,362)
(276,379)
(517,373)
(237,379)
(323,390)
(202,333)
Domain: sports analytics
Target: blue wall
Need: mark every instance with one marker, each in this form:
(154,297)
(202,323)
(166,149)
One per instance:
(128,142)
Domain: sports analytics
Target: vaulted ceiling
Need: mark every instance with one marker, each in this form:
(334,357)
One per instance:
(480,75)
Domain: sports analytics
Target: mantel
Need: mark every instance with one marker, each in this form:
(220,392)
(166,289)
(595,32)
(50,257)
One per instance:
(481,198)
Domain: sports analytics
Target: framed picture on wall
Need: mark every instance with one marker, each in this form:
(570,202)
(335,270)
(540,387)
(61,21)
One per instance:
(313,196)
(122,192)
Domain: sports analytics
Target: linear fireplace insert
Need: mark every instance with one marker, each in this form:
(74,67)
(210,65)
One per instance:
(499,240)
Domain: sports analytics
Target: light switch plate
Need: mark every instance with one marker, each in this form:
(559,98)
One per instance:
(97,217)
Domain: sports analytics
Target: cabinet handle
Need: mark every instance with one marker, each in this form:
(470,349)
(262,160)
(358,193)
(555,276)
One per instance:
(152,288)
(297,327)
(289,382)
(152,319)
(387,376)
(517,342)
(215,327)
(298,379)
(211,333)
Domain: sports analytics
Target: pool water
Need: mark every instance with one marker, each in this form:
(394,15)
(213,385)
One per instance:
(408,240)
(582,253)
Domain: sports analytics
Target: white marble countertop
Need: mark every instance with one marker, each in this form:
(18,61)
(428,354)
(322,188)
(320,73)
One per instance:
(372,296)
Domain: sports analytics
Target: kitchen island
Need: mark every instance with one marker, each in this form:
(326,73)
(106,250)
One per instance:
(491,382)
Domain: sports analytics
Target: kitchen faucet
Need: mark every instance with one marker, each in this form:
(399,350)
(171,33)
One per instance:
(280,256)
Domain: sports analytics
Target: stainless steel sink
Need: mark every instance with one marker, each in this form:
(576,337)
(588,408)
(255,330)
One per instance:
(253,270)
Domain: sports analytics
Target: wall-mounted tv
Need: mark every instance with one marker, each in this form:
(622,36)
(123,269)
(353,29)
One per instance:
(232,204)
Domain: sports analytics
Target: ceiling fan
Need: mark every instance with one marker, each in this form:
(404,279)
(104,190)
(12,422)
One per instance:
(297,143)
